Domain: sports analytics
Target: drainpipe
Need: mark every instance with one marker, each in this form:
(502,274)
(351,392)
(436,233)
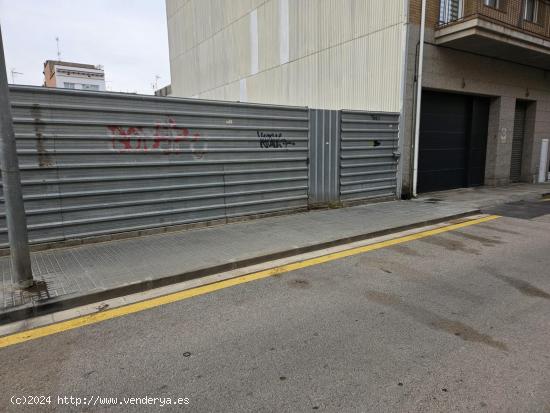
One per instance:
(543,165)
(11,182)
(418,98)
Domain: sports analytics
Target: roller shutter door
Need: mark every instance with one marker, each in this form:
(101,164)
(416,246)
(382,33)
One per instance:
(517,142)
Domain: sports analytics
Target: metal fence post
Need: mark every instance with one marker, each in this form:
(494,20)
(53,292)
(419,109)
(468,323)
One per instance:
(11,180)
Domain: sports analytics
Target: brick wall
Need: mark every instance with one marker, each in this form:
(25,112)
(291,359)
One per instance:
(49,76)
(510,13)
(432,12)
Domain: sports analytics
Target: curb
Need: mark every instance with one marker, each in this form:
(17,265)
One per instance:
(79,299)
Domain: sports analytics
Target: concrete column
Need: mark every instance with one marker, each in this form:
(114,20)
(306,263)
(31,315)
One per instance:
(406,132)
(537,127)
(499,141)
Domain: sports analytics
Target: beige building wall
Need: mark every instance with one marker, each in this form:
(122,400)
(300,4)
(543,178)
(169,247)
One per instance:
(329,54)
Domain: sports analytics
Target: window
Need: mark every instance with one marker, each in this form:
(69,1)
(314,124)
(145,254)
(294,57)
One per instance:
(450,10)
(68,85)
(531,10)
(90,87)
(492,3)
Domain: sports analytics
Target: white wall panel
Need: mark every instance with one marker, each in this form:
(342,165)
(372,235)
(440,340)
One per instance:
(284,32)
(243,95)
(268,18)
(339,53)
(254,59)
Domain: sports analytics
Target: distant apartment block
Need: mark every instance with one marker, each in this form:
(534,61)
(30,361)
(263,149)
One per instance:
(71,75)
(164,91)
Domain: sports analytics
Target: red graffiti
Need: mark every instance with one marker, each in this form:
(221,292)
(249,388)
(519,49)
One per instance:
(166,138)
(127,137)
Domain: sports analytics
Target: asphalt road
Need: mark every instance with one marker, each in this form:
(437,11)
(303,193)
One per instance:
(454,322)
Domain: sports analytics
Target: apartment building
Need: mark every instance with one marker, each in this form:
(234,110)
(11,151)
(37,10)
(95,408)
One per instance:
(71,75)
(486,92)
(485,101)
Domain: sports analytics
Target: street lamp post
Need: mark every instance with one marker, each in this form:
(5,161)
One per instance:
(11,182)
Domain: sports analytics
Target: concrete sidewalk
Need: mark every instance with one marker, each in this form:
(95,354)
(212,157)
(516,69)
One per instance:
(485,196)
(81,275)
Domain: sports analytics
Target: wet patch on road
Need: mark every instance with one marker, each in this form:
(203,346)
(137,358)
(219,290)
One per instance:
(451,245)
(409,273)
(390,267)
(522,286)
(403,249)
(467,333)
(383,298)
(486,242)
(434,321)
(498,229)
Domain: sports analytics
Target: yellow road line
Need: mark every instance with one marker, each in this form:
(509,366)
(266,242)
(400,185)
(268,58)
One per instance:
(209,288)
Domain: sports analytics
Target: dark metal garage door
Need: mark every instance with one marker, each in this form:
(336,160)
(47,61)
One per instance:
(453,140)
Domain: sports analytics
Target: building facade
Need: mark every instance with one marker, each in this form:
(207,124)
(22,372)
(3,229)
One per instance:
(70,75)
(485,105)
(486,92)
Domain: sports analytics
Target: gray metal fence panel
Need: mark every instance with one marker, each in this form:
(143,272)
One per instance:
(324,157)
(99,163)
(368,155)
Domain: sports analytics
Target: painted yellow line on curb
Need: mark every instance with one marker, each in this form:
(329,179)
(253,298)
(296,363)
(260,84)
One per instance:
(33,334)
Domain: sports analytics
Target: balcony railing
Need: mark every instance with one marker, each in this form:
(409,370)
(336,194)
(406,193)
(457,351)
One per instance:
(531,16)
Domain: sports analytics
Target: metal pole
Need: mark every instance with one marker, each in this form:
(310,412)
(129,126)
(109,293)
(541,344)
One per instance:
(418,100)
(11,181)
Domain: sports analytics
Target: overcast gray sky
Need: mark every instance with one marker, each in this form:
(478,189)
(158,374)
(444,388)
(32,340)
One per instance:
(127,37)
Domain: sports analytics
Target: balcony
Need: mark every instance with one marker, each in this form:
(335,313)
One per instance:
(515,30)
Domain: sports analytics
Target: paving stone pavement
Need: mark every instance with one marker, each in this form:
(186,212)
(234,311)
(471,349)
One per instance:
(97,267)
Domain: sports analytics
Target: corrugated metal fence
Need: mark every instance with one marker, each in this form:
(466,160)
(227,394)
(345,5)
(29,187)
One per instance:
(324,153)
(369,155)
(101,163)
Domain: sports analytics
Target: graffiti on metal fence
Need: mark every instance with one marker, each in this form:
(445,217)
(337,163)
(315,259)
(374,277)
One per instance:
(273,140)
(166,137)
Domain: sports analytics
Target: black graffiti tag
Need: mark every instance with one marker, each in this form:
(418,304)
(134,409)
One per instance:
(273,140)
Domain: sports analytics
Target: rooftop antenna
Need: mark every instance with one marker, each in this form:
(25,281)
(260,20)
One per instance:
(58,52)
(13,73)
